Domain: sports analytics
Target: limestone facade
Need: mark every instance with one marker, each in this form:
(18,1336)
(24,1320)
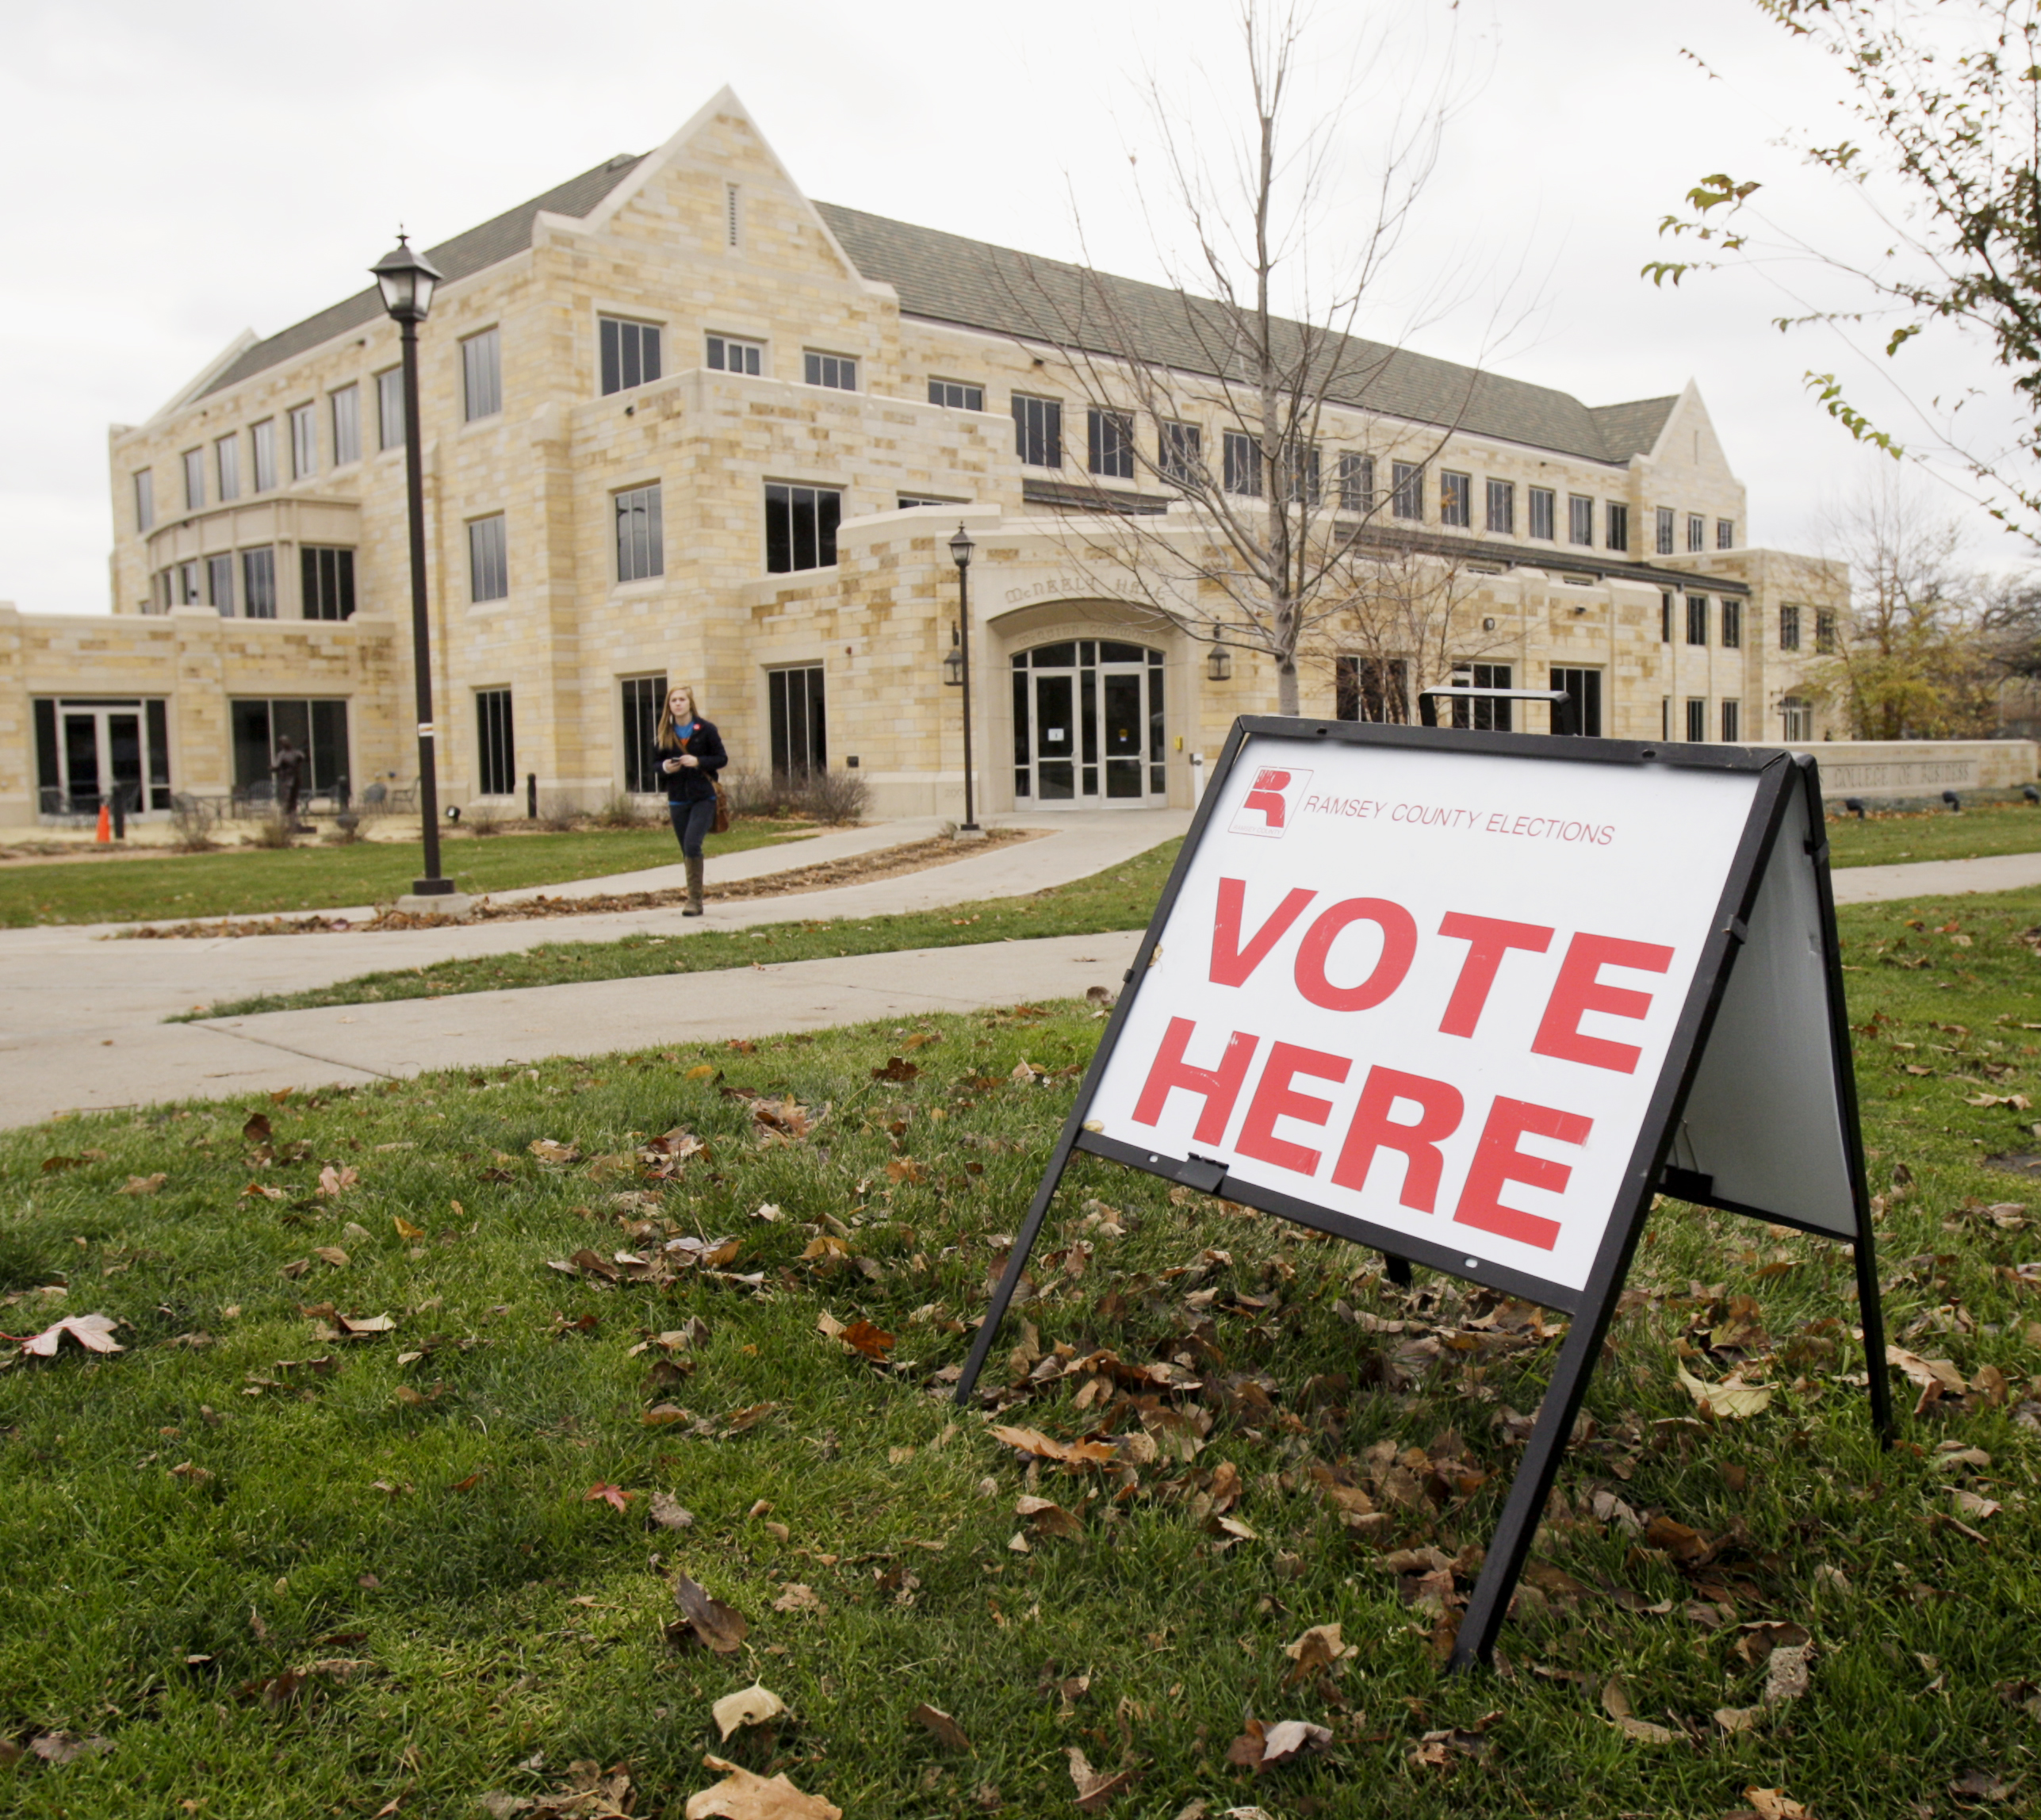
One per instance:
(804,351)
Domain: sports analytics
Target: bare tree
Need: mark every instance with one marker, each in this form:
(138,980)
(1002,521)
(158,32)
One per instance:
(1260,547)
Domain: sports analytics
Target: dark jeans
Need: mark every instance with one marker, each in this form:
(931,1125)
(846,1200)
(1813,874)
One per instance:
(691,823)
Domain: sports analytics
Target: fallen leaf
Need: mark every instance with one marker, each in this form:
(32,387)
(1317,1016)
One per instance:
(1785,1674)
(332,1255)
(1291,1738)
(93,1331)
(1772,1805)
(741,1795)
(1319,1649)
(940,1727)
(767,1211)
(1094,1790)
(799,1598)
(614,1496)
(754,1705)
(546,1150)
(143,1184)
(669,1513)
(1733,1719)
(897,1068)
(721,1627)
(863,1336)
(332,1180)
(1616,1704)
(1971,1505)
(190,1474)
(1049,1517)
(1072,1453)
(1980,1785)
(67,1746)
(1934,1377)
(355,1326)
(1733,1400)
(404,1229)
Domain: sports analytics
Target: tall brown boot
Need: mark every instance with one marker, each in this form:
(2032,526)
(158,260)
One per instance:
(694,888)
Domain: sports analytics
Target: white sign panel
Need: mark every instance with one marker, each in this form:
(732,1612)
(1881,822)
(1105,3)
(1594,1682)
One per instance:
(1429,989)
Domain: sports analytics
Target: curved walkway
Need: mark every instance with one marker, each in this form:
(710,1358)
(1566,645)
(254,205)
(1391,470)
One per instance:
(72,1042)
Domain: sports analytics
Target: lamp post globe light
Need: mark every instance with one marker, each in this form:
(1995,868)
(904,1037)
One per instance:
(406,279)
(956,666)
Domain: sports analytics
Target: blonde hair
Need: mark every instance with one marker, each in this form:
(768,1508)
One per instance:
(669,740)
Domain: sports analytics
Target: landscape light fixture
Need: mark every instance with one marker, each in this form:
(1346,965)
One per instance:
(953,662)
(1219,666)
(407,279)
(961,548)
(2030,793)
(1955,802)
(1855,806)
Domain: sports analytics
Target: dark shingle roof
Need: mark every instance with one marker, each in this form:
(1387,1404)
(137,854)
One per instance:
(494,241)
(946,278)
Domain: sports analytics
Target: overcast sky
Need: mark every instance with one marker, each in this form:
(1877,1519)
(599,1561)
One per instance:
(179,174)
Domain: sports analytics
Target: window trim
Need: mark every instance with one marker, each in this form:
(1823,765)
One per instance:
(1550,498)
(819,357)
(1406,491)
(1665,524)
(1616,526)
(489,735)
(262,446)
(1180,451)
(1109,443)
(475,574)
(1579,516)
(493,334)
(1455,499)
(352,390)
(620,320)
(654,538)
(227,466)
(964,386)
(1052,414)
(388,379)
(1504,524)
(192,460)
(727,340)
(825,536)
(145,500)
(303,449)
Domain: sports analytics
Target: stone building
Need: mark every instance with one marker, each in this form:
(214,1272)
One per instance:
(682,423)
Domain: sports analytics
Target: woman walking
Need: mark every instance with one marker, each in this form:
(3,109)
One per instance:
(689,753)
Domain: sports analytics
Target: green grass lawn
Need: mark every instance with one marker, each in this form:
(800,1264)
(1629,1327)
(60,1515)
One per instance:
(1121,897)
(251,882)
(252,1567)
(1936,833)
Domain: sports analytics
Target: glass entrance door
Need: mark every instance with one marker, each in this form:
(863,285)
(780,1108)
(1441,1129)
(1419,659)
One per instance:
(1089,725)
(87,750)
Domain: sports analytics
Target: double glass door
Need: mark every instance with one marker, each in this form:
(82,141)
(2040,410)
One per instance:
(1088,725)
(90,750)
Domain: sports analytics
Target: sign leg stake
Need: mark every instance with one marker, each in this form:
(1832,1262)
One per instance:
(1397,1270)
(1873,1323)
(1489,1604)
(1016,1261)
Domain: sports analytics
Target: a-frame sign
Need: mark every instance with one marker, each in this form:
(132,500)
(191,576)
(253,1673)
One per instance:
(1475,999)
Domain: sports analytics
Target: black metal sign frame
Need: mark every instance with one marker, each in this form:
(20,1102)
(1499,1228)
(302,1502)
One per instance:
(1591,1307)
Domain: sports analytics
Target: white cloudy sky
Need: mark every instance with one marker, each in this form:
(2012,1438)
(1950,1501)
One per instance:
(180,173)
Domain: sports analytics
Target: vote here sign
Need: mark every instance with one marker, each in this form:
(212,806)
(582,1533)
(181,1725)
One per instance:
(1427,991)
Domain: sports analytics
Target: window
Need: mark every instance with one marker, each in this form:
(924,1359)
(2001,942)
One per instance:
(489,558)
(836,371)
(390,408)
(630,354)
(145,500)
(1665,527)
(799,733)
(1179,452)
(954,395)
(304,441)
(226,467)
(643,697)
(1296,475)
(1584,688)
(346,425)
(1725,533)
(1697,531)
(263,438)
(1482,717)
(327,576)
(1798,715)
(1406,489)
(1243,465)
(481,375)
(1371,688)
(1619,525)
(184,587)
(1732,718)
(1697,619)
(1697,721)
(219,585)
(1543,514)
(1038,431)
(194,480)
(641,534)
(1356,483)
(728,354)
(801,527)
(1110,446)
(1455,499)
(496,743)
(906,502)
(1733,625)
(1824,632)
(1789,628)
(259,583)
(318,729)
(1580,521)
(1503,508)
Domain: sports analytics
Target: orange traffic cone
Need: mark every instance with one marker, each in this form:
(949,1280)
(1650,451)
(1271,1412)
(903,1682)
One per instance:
(103,837)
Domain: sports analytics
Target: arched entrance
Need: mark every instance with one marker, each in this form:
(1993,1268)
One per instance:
(1089,724)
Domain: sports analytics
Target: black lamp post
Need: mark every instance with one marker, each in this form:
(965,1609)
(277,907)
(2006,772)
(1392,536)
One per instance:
(406,278)
(961,547)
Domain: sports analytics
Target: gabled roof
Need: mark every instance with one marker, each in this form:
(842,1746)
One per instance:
(948,278)
(496,240)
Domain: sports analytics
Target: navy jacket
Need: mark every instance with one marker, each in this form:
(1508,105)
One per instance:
(692,783)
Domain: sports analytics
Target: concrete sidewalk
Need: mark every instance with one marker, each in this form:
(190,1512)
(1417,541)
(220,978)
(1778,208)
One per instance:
(1936,878)
(81,1017)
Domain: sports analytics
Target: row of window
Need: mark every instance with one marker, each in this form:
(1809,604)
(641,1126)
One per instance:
(242,583)
(1667,530)
(481,394)
(1729,624)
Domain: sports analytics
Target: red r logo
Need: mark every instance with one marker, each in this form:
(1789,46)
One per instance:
(1264,810)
